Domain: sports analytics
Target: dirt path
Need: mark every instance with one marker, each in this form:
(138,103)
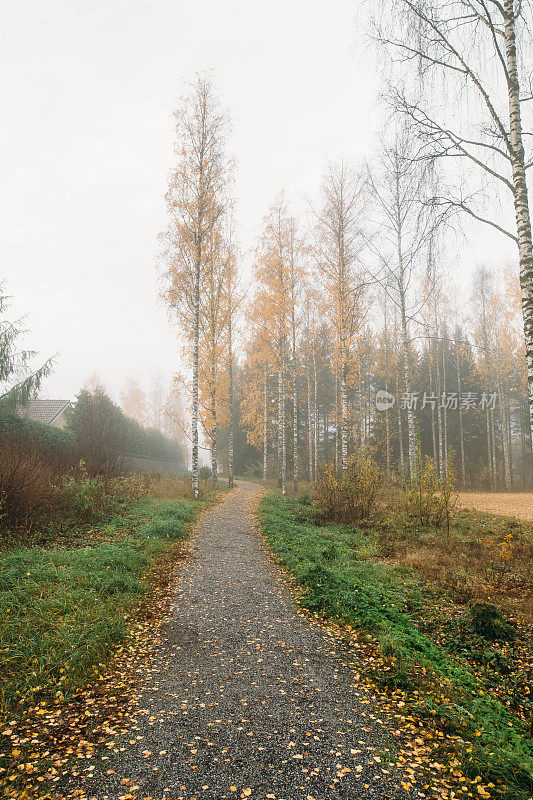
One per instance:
(512,504)
(246,698)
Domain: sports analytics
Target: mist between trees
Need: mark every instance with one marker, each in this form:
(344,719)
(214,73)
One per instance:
(350,340)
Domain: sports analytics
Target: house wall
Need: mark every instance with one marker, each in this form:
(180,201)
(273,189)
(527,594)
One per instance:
(61,420)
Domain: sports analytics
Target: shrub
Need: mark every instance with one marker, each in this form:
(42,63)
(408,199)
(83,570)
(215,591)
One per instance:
(486,620)
(83,499)
(204,473)
(426,496)
(86,498)
(25,484)
(57,447)
(352,496)
(32,457)
(106,437)
(128,488)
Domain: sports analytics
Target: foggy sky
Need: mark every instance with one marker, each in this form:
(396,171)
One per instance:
(86,145)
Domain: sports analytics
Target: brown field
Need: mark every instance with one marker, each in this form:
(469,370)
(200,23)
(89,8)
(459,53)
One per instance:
(512,504)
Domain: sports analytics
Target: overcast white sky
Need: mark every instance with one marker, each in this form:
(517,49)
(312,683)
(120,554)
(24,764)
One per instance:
(86,144)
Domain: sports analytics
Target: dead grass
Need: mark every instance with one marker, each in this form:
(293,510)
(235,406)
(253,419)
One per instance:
(169,487)
(483,557)
(515,504)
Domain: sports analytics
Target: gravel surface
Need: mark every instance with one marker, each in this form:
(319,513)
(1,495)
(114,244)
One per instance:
(245,697)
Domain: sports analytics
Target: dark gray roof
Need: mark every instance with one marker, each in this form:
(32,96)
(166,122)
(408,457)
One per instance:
(45,410)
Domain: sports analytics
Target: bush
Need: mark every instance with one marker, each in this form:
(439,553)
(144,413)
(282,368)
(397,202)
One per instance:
(34,495)
(427,497)
(26,489)
(85,498)
(352,496)
(204,473)
(32,457)
(57,447)
(106,437)
(486,620)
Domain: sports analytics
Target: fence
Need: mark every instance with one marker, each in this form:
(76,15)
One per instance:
(147,465)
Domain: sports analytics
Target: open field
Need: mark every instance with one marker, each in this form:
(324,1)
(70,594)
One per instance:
(512,504)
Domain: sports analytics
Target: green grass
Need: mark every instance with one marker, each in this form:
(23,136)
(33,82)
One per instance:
(62,611)
(421,650)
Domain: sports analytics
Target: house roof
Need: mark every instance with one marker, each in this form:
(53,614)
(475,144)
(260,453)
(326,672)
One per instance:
(45,410)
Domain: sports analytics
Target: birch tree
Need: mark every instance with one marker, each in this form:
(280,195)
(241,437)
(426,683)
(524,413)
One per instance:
(196,199)
(295,278)
(339,241)
(256,397)
(272,310)
(309,345)
(458,345)
(481,53)
(481,302)
(404,227)
(213,342)
(232,303)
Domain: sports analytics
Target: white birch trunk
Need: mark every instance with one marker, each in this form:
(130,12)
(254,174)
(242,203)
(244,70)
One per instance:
(344,422)
(387,437)
(295,429)
(433,420)
(493,449)
(309,426)
(281,431)
(387,419)
(439,407)
(196,344)
(230,380)
(445,410)
(461,430)
(230,438)
(505,440)
(489,449)
(400,426)
(521,202)
(362,411)
(315,428)
(214,457)
(411,434)
(265,427)
(337,441)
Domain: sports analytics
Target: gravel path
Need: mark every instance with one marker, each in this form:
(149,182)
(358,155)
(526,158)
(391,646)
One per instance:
(246,698)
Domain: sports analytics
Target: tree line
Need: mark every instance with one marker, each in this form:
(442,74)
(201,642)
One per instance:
(351,341)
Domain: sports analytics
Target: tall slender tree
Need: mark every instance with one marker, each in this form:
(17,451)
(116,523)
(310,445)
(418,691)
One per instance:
(339,241)
(399,187)
(272,310)
(196,200)
(481,52)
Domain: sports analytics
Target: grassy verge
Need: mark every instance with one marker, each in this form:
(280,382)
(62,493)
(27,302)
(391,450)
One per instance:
(427,647)
(64,609)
